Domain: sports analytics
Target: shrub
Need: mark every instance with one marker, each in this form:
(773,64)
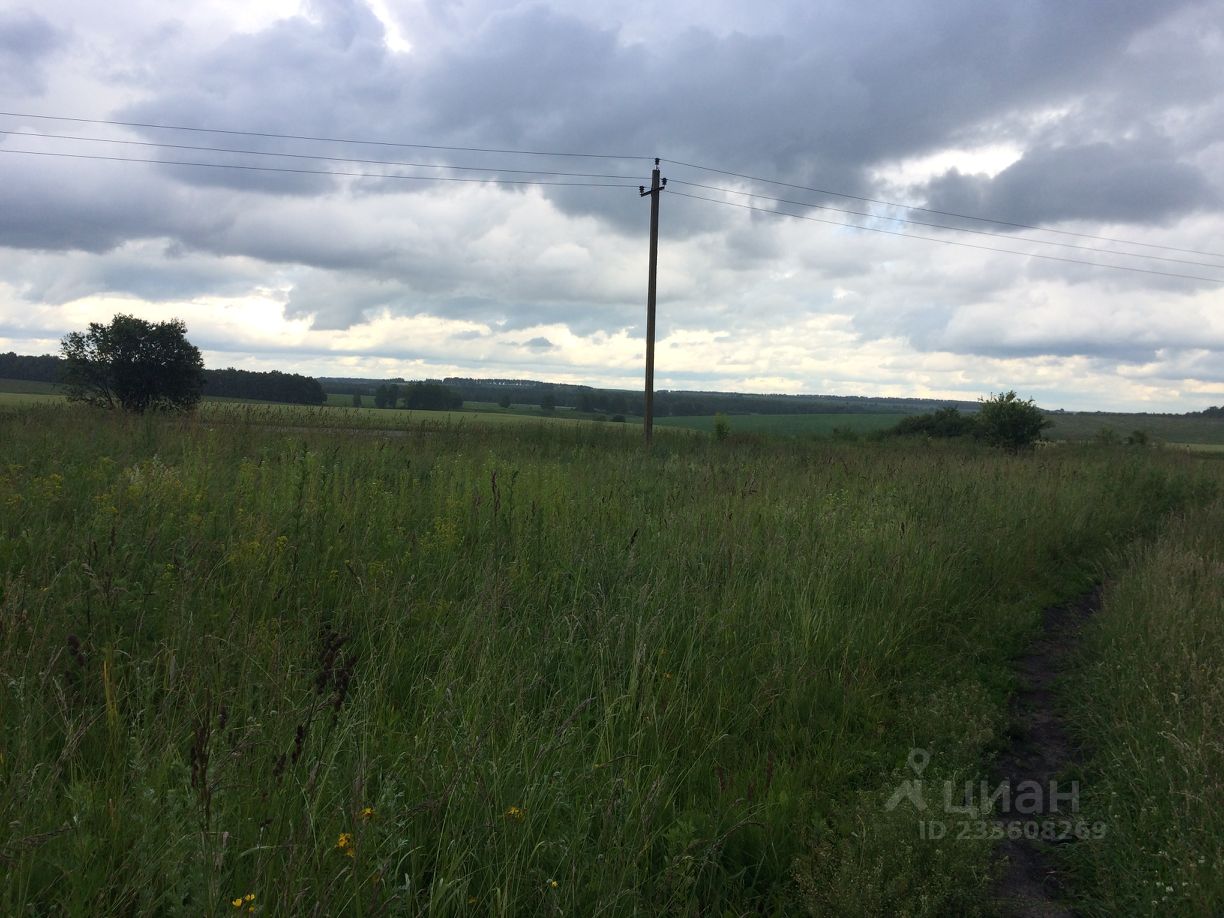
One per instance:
(946,422)
(1009,422)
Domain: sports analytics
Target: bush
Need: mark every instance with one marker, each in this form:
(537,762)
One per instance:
(946,422)
(722,427)
(1009,422)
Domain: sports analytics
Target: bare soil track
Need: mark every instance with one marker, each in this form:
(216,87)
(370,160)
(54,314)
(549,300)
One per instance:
(1040,751)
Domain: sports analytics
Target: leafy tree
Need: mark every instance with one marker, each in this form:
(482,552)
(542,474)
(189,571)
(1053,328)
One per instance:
(1009,422)
(134,365)
(722,427)
(504,401)
(356,399)
(548,402)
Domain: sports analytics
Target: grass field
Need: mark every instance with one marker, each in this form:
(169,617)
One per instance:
(790,425)
(28,387)
(1150,706)
(518,668)
(1166,427)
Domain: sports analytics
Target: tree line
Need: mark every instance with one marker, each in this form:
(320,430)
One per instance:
(270,386)
(417,397)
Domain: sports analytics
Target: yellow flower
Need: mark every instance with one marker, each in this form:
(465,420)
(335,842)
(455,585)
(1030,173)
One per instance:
(515,812)
(344,841)
(552,884)
(367,813)
(249,897)
(237,903)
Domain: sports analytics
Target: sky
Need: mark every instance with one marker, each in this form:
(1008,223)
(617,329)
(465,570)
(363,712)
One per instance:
(1098,127)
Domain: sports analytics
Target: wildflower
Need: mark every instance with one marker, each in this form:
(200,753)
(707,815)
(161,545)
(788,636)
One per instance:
(516,813)
(345,843)
(552,884)
(237,903)
(367,813)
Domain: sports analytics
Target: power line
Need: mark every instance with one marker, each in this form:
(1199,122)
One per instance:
(334,159)
(941,213)
(967,245)
(378,175)
(510,151)
(377,143)
(955,229)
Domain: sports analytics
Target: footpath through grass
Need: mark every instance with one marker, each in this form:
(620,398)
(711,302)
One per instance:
(513,670)
(1149,706)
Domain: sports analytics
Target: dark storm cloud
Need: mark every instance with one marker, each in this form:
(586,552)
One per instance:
(26,40)
(823,104)
(1128,182)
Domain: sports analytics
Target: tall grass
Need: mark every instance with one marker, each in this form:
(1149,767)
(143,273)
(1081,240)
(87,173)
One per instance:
(1149,705)
(515,671)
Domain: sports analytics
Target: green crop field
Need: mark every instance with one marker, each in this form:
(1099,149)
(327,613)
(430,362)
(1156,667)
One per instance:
(529,668)
(790,424)
(1170,428)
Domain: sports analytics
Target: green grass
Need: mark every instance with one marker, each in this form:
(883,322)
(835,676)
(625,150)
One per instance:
(389,419)
(1166,427)
(28,387)
(1149,704)
(678,682)
(789,424)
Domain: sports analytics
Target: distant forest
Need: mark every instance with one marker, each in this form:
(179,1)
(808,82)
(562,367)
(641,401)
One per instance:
(666,403)
(272,386)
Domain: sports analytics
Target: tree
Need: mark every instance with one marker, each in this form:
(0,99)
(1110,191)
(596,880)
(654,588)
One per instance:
(548,402)
(134,365)
(431,397)
(356,399)
(1009,422)
(386,395)
(504,401)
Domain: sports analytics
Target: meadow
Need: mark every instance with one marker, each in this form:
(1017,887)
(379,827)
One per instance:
(1170,428)
(253,662)
(791,425)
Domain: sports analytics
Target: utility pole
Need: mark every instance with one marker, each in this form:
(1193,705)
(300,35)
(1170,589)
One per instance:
(656,188)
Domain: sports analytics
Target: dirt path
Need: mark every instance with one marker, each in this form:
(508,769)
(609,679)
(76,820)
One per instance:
(1040,750)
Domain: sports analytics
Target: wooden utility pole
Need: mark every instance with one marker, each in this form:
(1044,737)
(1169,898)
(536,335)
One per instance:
(656,188)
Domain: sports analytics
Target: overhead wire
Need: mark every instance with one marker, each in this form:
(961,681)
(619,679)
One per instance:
(350,140)
(968,245)
(615,184)
(955,229)
(941,213)
(334,172)
(313,156)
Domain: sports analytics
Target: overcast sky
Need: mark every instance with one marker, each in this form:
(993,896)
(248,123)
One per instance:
(1103,120)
